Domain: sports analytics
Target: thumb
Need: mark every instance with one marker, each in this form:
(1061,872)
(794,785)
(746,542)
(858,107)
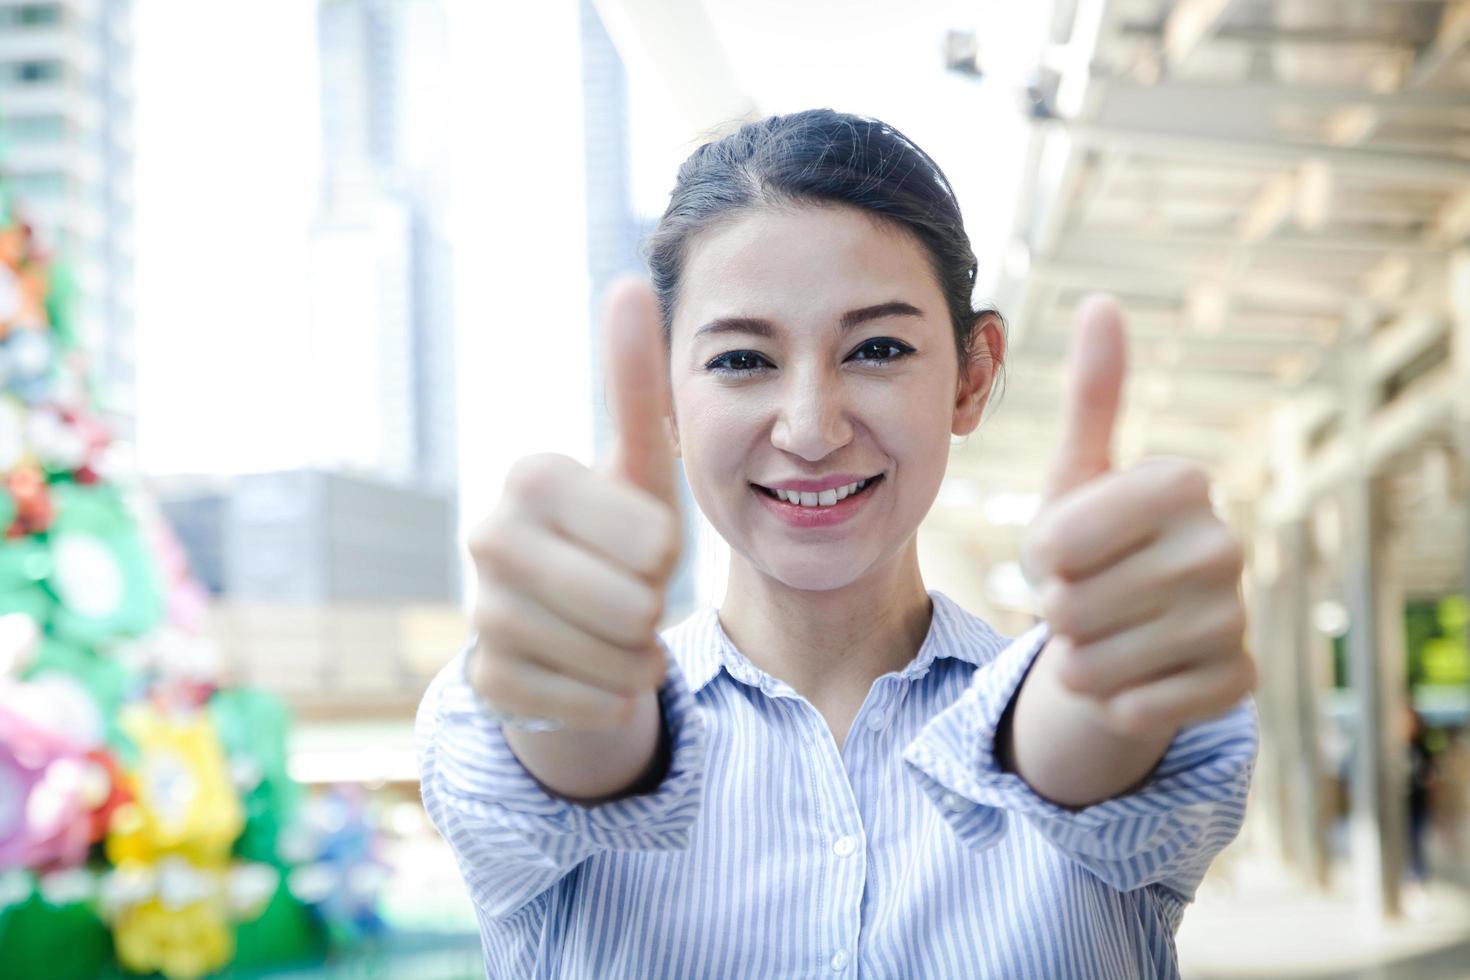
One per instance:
(638,388)
(1094,390)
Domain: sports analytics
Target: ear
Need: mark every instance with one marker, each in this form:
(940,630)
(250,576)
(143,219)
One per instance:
(673,428)
(977,377)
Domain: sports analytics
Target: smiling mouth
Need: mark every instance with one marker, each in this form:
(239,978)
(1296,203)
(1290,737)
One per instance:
(816,501)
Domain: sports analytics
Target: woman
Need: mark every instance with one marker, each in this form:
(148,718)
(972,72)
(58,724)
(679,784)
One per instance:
(838,769)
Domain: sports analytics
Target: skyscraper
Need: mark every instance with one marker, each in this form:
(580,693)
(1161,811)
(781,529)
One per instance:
(66,140)
(613,233)
(381,322)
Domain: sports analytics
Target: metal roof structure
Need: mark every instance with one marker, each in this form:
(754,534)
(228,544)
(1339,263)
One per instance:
(1279,193)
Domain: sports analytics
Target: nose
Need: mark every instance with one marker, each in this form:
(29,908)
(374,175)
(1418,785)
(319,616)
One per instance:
(811,420)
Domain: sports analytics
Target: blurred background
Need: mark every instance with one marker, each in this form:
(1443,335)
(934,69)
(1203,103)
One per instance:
(286,286)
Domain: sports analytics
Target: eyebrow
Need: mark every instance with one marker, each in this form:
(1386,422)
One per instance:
(849,320)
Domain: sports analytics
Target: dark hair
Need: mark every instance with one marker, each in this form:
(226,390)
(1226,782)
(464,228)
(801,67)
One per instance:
(820,156)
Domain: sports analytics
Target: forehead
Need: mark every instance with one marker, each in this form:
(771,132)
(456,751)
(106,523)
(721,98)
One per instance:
(811,261)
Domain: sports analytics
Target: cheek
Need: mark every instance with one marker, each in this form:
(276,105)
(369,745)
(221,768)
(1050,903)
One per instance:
(911,422)
(715,436)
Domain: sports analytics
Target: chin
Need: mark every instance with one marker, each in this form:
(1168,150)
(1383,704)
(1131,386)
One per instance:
(817,573)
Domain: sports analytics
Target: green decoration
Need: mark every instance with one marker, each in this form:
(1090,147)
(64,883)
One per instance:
(252,727)
(105,582)
(40,941)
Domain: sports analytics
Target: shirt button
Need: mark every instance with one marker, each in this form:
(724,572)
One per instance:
(844,845)
(877,720)
(839,959)
(953,801)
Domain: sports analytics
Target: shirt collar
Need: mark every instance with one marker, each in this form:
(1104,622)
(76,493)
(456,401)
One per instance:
(701,646)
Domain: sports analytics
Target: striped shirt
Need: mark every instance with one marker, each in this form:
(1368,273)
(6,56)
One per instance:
(767,852)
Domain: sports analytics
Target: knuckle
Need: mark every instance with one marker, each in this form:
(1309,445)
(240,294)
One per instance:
(640,613)
(1132,717)
(1042,546)
(1246,675)
(1233,621)
(661,542)
(1075,673)
(493,615)
(669,540)
(1188,480)
(1221,549)
(490,545)
(1059,607)
(497,679)
(535,475)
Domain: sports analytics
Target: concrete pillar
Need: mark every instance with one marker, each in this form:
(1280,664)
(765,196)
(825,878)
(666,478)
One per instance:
(1459,283)
(1309,825)
(1295,684)
(1267,646)
(1377,845)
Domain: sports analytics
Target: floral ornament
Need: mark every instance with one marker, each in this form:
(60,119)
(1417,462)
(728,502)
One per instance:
(184,802)
(26,364)
(55,442)
(13,448)
(173,893)
(104,580)
(19,639)
(174,921)
(33,501)
(24,565)
(47,784)
(175,916)
(185,600)
(338,872)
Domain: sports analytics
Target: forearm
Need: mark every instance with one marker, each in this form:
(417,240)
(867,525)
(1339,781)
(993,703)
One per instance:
(1053,739)
(590,767)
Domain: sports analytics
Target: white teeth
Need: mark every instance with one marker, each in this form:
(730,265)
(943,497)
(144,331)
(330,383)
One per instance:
(824,498)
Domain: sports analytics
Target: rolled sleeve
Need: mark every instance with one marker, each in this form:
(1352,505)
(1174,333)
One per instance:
(512,838)
(1166,832)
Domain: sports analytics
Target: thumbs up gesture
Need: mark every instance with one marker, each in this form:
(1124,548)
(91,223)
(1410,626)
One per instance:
(1137,576)
(573,561)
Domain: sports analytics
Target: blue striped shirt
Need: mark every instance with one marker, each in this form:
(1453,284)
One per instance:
(767,852)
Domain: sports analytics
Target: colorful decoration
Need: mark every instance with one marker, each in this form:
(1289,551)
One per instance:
(147,820)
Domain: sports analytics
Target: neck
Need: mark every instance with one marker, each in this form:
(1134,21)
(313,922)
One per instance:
(831,643)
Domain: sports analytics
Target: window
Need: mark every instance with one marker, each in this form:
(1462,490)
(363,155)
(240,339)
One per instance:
(30,15)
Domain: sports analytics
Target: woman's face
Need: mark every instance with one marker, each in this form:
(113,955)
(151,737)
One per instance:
(811,349)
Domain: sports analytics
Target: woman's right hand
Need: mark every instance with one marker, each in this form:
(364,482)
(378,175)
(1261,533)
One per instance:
(574,562)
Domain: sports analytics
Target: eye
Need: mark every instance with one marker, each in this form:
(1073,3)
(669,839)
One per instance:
(736,362)
(882,350)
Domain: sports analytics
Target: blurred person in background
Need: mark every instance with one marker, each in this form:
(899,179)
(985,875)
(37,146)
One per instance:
(837,768)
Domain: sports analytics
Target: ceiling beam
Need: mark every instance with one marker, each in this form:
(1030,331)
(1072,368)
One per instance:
(1266,152)
(1182,96)
(1190,25)
(1393,429)
(1359,123)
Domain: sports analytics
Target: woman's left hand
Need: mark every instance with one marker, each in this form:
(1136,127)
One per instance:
(1138,577)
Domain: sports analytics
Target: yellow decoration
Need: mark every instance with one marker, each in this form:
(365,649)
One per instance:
(176,835)
(182,936)
(184,803)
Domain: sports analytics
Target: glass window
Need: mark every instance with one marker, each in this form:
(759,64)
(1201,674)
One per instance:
(24,130)
(30,15)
